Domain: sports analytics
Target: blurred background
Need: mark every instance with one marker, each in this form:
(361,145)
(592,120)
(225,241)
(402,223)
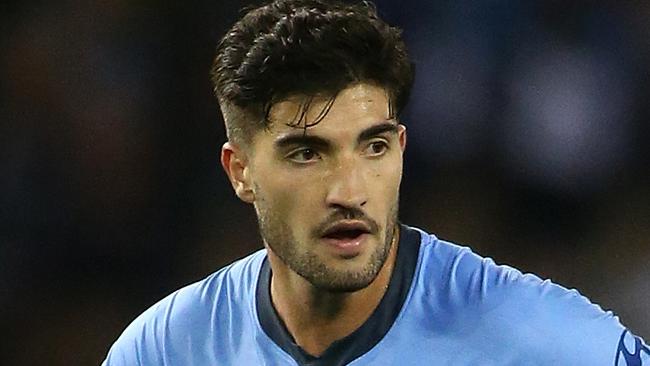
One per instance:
(528,142)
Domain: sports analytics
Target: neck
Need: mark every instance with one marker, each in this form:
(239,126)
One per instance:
(315,317)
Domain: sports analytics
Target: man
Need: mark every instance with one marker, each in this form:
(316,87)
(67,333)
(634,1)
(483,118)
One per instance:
(310,91)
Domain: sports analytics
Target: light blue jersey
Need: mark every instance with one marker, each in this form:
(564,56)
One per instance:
(444,306)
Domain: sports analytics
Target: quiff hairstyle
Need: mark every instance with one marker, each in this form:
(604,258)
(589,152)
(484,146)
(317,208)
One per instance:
(305,48)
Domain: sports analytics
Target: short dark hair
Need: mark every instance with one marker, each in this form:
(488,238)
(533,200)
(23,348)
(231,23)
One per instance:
(305,47)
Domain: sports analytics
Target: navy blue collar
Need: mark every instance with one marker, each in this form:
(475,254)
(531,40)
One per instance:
(349,348)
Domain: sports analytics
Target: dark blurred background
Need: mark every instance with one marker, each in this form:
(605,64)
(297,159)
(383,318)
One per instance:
(528,142)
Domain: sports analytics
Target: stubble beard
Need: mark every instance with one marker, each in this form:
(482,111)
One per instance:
(300,258)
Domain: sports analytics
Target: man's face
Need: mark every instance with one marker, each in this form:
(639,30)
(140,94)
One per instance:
(326,196)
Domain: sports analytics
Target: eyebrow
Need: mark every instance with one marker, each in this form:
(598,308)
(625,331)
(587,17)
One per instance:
(300,138)
(385,127)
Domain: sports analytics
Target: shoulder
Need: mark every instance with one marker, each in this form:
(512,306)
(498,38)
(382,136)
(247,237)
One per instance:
(161,334)
(519,312)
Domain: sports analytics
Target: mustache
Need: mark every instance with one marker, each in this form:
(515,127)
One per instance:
(346,213)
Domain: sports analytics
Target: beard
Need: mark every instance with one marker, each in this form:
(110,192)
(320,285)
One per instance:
(299,257)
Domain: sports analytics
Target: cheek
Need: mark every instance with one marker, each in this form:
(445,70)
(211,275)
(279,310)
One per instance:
(384,184)
(387,177)
(274,195)
(290,196)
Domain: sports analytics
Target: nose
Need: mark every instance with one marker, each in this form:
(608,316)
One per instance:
(347,186)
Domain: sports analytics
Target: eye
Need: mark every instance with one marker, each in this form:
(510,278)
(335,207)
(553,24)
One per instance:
(376,148)
(303,155)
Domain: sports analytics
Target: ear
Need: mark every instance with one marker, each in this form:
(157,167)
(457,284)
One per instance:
(401,134)
(235,163)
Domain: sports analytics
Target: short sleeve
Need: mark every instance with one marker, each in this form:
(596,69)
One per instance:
(566,328)
(136,346)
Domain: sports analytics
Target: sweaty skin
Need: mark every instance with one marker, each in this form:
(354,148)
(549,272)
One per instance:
(346,170)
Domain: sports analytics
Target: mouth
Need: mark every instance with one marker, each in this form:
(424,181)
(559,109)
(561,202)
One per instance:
(346,230)
(347,237)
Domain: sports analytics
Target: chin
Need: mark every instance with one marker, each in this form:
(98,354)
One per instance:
(345,287)
(343,279)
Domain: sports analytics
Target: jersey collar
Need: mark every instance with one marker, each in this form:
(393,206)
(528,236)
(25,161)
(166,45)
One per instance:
(363,339)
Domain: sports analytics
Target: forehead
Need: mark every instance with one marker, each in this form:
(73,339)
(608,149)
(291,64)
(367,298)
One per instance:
(353,108)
